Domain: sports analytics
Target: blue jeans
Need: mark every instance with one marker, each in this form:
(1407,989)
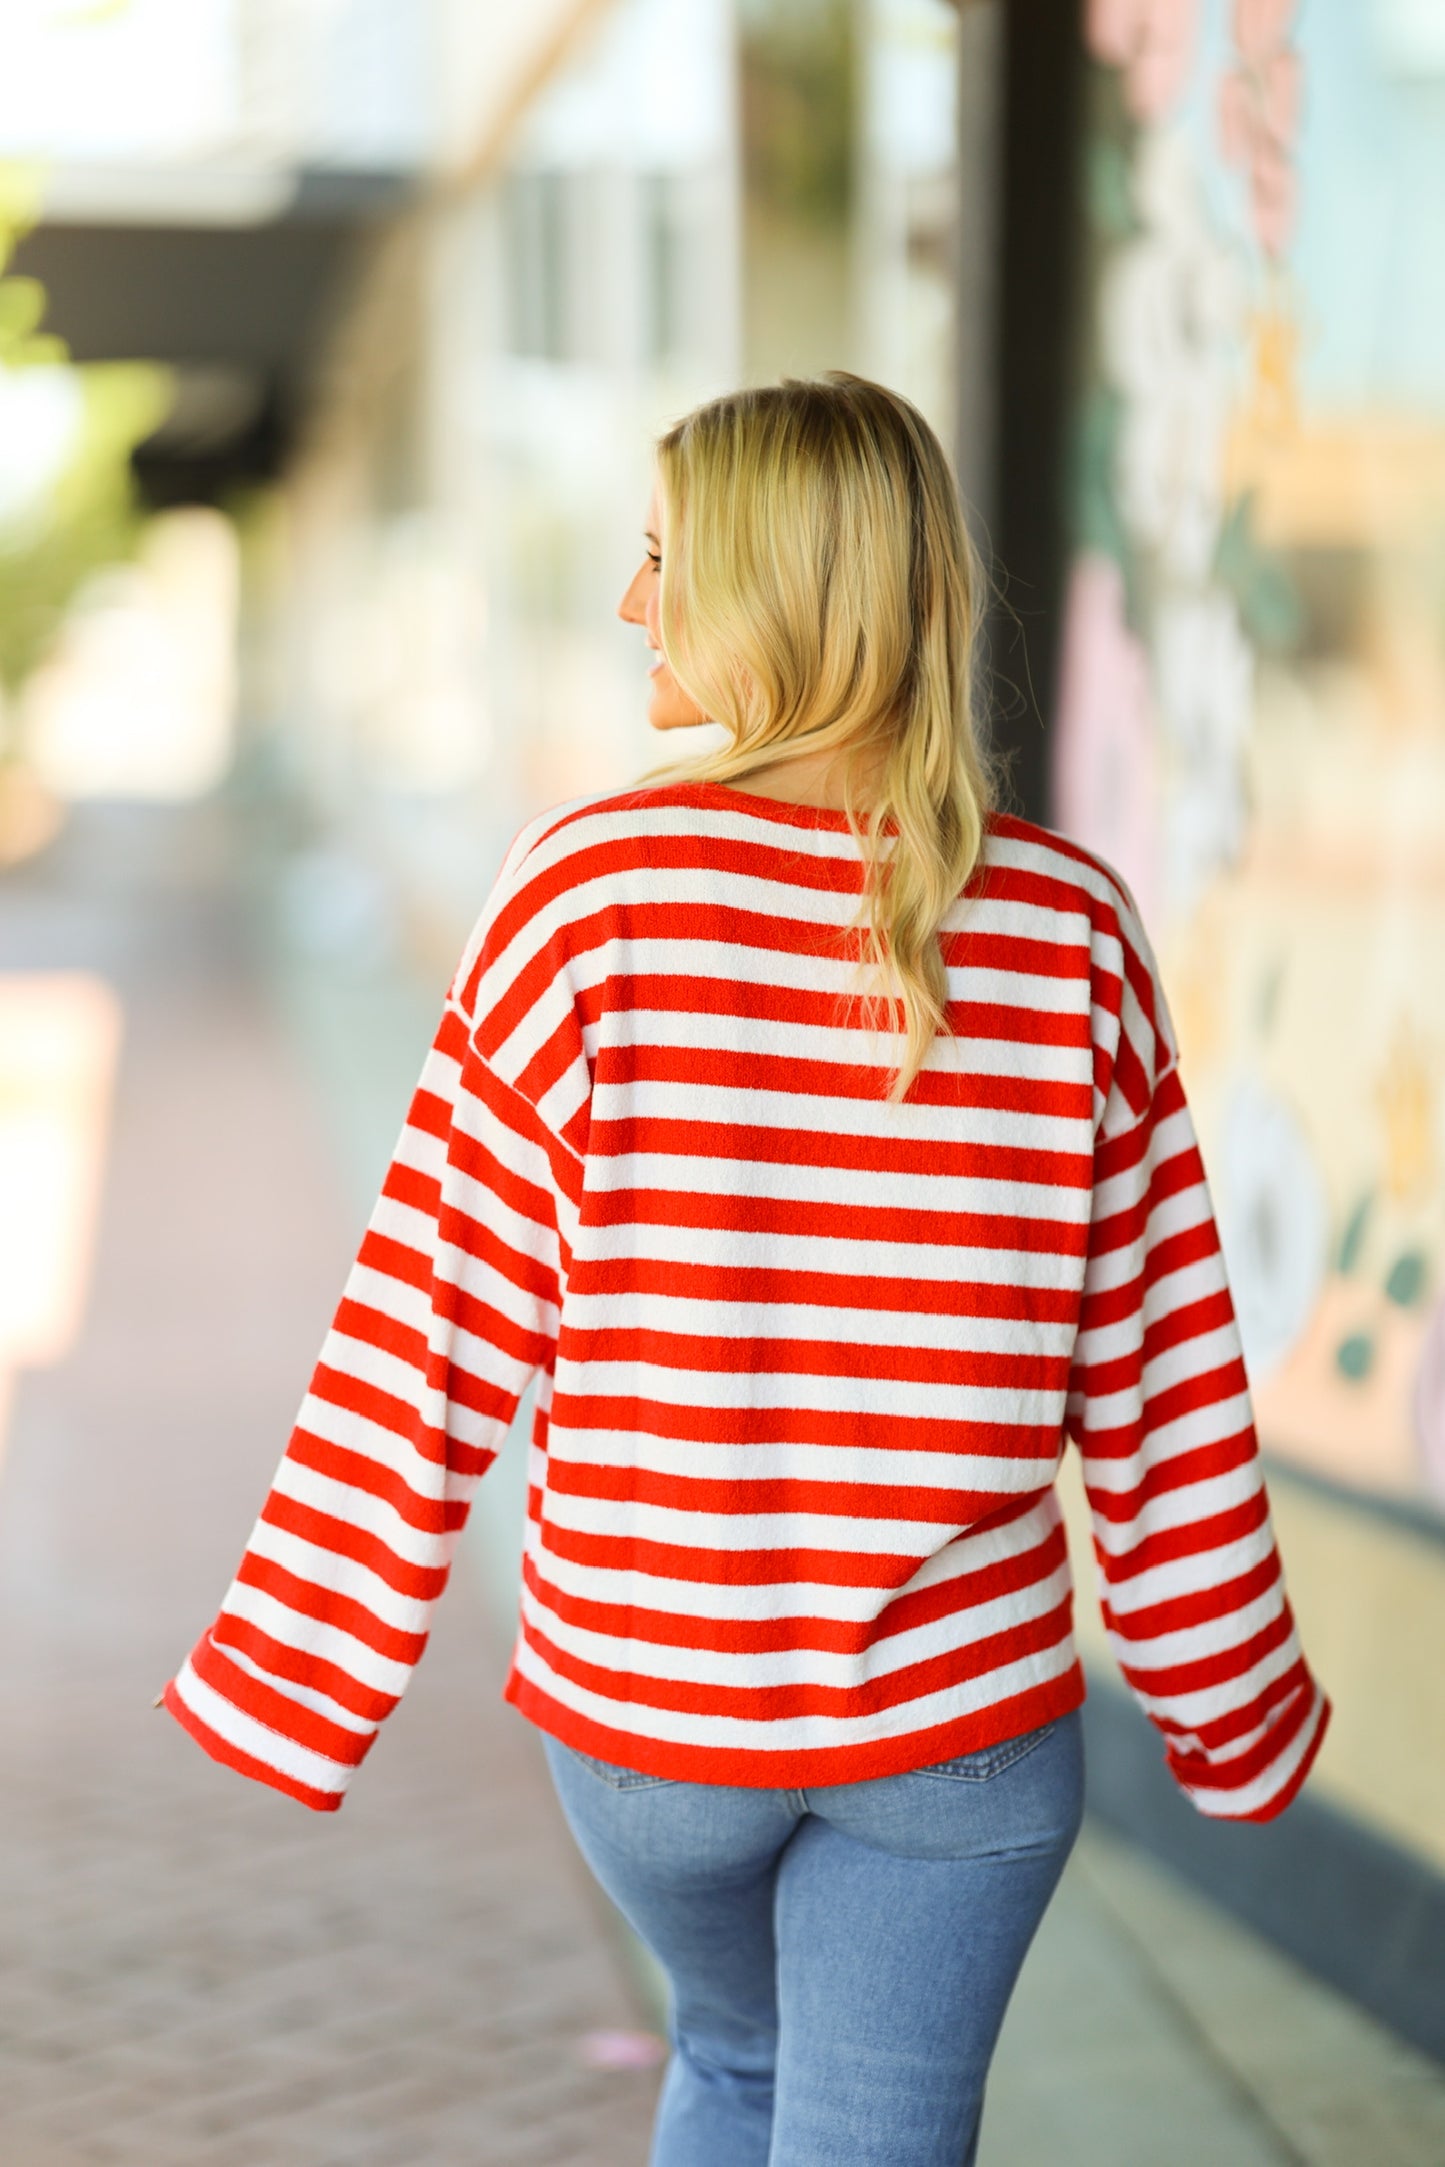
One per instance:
(840,1958)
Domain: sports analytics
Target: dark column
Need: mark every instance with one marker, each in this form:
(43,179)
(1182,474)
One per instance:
(1040,230)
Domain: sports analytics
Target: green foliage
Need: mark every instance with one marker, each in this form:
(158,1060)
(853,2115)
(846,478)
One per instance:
(19,203)
(22,304)
(90,518)
(800,108)
(22,300)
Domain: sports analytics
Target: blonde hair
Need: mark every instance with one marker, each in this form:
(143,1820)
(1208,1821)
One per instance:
(819,594)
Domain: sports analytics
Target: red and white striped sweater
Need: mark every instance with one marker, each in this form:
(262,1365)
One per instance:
(806,1360)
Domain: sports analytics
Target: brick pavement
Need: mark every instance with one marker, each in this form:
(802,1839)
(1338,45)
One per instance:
(194,1970)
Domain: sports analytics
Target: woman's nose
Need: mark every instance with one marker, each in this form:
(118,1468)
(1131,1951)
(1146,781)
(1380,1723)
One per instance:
(630,609)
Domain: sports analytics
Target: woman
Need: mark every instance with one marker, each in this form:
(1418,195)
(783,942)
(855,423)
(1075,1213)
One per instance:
(812,1132)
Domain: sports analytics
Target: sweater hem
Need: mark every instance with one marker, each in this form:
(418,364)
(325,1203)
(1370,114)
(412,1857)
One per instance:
(791,1767)
(1275,1806)
(245,1764)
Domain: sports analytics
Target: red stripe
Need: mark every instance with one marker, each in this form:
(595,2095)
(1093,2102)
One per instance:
(343,1612)
(840,1222)
(299,1667)
(781,1566)
(275,1710)
(245,1764)
(1177,1613)
(779,1703)
(761,1767)
(740,1356)
(434,1515)
(752,1146)
(804,1425)
(421,1583)
(838,1636)
(946,1297)
(743,1498)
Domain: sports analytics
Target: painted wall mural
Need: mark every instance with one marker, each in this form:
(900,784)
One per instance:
(1251,717)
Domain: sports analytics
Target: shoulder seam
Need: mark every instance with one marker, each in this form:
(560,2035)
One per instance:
(1169,1069)
(454,1006)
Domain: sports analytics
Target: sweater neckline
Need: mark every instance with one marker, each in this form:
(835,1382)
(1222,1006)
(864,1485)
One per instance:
(787,811)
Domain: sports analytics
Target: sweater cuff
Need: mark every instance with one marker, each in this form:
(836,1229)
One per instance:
(226,1712)
(1260,1781)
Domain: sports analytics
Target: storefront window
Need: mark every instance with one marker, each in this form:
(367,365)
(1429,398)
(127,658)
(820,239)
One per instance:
(1252,707)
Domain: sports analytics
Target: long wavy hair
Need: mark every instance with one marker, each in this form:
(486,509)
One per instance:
(819,593)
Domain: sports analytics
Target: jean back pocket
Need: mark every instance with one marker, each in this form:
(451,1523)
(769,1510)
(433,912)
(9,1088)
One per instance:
(991,1760)
(615,1776)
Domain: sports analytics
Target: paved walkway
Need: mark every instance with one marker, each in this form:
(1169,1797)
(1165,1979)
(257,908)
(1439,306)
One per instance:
(195,1970)
(197,1973)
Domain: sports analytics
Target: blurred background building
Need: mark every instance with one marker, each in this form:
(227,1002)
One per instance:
(333,334)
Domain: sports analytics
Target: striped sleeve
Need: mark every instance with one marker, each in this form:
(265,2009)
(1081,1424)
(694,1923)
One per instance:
(449,1310)
(1191,1589)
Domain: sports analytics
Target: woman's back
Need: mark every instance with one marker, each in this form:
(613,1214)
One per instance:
(806,1355)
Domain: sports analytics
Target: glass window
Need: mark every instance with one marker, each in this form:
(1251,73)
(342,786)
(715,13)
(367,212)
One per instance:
(1252,706)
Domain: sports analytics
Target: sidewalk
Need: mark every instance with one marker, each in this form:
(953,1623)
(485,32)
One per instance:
(195,1970)
(197,1973)
(1148,2030)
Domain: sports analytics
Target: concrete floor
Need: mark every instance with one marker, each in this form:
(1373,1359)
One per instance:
(1148,2028)
(195,1971)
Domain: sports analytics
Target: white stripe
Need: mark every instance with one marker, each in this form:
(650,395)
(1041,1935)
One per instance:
(741,963)
(749,1180)
(816,1321)
(1206,1705)
(1272,1779)
(840,1534)
(696,1031)
(1205,1354)
(529,1237)
(257,1739)
(946,1472)
(862,1394)
(405,1380)
(331,1573)
(797,1666)
(777,1600)
(1175,1577)
(1176,1508)
(1189,1432)
(411,1305)
(370,1440)
(800,1734)
(1164,1298)
(1193,1643)
(360,1509)
(305,1696)
(872,1119)
(732,1249)
(309,1636)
